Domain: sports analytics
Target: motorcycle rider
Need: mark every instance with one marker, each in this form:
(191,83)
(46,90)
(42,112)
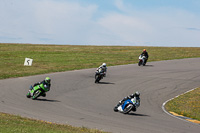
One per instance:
(145,53)
(47,84)
(136,94)
(104,68)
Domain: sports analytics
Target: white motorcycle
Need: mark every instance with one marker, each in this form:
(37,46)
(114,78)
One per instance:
(142,60)
(99,75)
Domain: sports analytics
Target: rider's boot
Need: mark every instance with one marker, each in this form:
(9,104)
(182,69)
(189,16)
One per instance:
(134,109)
(44,94)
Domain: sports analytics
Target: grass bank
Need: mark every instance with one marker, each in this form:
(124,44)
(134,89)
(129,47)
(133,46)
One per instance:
(17,124)
(187,104)
(57,58)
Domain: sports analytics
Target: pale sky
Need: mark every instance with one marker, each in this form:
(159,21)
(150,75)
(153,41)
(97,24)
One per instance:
(101,22)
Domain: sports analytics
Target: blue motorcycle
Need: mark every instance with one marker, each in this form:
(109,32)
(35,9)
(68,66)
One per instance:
(127,106)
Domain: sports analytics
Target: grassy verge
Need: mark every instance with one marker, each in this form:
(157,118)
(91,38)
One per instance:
(56,58)
(187,105)
(17,124)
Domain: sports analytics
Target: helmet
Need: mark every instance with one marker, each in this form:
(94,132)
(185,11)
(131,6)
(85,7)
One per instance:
(104,64)
(137,93)
(144,50)
(132,95)
(47,80)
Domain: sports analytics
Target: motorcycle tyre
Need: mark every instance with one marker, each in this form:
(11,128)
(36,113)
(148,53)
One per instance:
(126,111)
(139,63)
(28,95)
(115,109)
(36,94)
(96,79)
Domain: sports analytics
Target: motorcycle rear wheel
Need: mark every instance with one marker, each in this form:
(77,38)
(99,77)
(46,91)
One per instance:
(127,109)
(36,94)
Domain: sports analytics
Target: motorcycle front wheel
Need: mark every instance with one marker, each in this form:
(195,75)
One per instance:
(115,109)
(28,95)
(96,78)
(139,63)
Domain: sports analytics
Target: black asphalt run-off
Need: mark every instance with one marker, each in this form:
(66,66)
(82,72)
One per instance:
(75,99)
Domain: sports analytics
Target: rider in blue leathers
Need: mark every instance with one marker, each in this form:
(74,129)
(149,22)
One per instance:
(136,94)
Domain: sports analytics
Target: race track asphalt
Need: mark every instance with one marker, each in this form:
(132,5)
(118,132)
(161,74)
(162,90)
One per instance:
(75,99)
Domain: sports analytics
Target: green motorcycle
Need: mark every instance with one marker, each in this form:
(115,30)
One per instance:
(36,91)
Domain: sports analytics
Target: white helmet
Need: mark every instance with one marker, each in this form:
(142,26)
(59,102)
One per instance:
(137,93)
(104,64)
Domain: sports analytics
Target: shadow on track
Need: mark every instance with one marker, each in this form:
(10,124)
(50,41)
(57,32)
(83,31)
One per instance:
(149,65)
(134,114)
(105,83)
(46,100)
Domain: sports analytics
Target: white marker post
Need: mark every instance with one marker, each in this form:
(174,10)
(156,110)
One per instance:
(28,62)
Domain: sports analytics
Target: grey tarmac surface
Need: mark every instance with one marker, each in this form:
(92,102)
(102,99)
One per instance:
(75,99)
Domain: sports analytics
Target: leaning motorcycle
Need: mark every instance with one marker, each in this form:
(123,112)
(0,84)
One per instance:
(128,105)
(142,60)
(99,75)
(37,91)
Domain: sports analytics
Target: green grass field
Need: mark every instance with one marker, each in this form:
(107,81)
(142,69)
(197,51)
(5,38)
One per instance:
(187,105)
(57,58)
(16,124)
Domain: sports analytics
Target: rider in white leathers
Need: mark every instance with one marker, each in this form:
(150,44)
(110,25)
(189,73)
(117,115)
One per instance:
(104,68)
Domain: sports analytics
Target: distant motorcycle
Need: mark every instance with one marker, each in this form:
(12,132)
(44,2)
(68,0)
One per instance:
(37,91)
(142,60)
(99,75)
(127,106)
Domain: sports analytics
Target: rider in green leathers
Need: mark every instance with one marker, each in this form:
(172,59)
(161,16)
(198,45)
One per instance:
(42,87)
(46,83)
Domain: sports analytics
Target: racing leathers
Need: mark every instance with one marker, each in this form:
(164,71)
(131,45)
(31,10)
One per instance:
(130,97)
(46,85)
(104,69)
(144,53)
